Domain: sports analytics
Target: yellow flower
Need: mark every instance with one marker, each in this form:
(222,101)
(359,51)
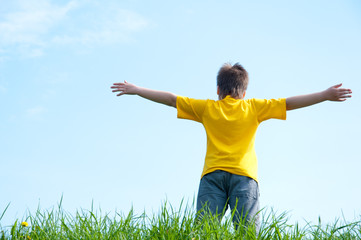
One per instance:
(28,237)
(24,224)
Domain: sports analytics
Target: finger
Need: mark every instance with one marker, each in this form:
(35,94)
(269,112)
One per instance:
(118,84)
(345,96)
(337,85)
(119,87)
(342,93)
(345,93)
(118,90)
(120,94)
(344,90)
(125,81)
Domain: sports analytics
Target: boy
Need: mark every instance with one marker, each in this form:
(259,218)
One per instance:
(229,175)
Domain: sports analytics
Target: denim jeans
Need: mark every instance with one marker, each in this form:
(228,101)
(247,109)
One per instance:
(220,189)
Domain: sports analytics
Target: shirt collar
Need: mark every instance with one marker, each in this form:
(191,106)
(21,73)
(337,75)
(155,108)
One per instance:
(229,97)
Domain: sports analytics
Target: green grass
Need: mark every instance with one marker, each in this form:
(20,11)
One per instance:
(169,223)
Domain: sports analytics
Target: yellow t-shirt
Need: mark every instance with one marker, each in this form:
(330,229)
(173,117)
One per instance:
(231,126)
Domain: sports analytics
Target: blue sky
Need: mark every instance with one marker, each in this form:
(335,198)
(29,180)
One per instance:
(63,133)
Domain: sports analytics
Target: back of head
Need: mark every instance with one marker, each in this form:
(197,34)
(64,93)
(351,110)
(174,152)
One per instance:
(232,80)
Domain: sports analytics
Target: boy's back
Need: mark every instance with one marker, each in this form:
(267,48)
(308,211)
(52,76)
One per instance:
(231,126)
(230,170)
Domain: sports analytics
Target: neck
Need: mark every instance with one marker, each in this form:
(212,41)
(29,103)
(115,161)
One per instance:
(238,97)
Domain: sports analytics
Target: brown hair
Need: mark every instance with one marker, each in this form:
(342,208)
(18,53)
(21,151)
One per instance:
(232,80)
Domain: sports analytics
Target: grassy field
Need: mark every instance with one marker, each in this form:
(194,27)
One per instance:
(169,223)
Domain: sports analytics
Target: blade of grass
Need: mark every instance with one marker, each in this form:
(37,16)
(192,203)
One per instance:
(2,215)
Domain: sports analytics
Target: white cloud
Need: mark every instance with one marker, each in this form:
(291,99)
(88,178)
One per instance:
(29,24)
(113,27)
(40,24)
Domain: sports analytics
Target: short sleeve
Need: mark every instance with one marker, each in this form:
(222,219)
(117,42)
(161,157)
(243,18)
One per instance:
(189,108)
(270,108)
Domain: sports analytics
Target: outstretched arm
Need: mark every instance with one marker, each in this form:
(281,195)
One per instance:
(166,98)
(334,93)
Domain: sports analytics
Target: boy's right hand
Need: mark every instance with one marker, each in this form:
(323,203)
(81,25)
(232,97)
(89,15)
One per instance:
(335,93)
(166,98)
(124,88)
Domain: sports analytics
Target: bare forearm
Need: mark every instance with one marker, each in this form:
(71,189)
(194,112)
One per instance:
(334,93)
(305,100)
(166,98)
